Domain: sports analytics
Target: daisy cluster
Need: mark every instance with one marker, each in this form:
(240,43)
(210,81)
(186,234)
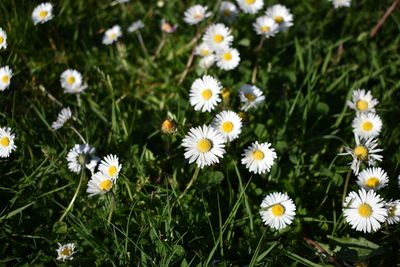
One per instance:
(365,210)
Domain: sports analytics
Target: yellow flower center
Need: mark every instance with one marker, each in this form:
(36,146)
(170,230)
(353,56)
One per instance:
(204,145)
(361,152)
(278,19)
(112,171)
(227,13)
(5,79)
(258,155)
(227,126)
(4,141)
(66,251)
(1,39)
(71,79)
(168,126)
(391,211)
(250,2)
(198,16)
(365,210)
(372,182)
(227,56)
(265,28)
(206,94)
(278,210)
(106,185)
(43,14)
(112,36)
(250,96)
(218,38)
(367,126)
(225,93)
(205,52)
(362,105)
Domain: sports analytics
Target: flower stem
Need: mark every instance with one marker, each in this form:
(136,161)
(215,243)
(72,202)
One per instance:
(346,185)
(189,185)
(112,204)
(80,136)
(75,195)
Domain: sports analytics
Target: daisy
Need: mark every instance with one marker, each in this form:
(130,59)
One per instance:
(204,93)
(168,28)
(372,178)
(94,161)
(367,125)
(6,142)
(229,124)
(218,37)
(207,61)
(203,145)
(137,25)
(5,77)
(364,210)
(3,39)
(250,6)
(364,151)
(42,13)
(195,14)
(71,81)
(259,158)
(110,167)
(362,101)
(203,50)
(393,210)
(277,210)
(281,15)
(228,10)
(250,96)
(265,26)
(111,35)
(99,184)
(79,156)
(228,59)
(341,3)
(62,118)
(66,251)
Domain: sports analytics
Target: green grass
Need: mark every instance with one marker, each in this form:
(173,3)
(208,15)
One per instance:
(154,221)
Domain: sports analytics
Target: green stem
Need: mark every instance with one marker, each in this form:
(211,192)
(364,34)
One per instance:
(189,185)
(111,208)
(346,185)
(75,195)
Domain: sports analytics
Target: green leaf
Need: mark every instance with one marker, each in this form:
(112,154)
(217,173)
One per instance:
(60,228)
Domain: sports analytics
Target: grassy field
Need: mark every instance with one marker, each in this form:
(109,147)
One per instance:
(150,219)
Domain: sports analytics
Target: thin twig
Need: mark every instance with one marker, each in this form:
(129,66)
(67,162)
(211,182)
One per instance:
(323,251)
(383,19)
(80,136)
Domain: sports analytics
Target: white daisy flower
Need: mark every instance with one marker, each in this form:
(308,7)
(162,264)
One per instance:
(42,13)
(66,251)
(364,151)
(94,161)
(167,27)
(281,15)
(362,101)
(228,10)
(6,142)
(207,61)
(5,77)
(204,93)
(110,167)
(195,14)
(372,178)
(259,158)
(250,96)
(111,35)
(277,210)
(79,156)
(393,210)
(71,81)
(203,50)
(228,59)
(3,39)
(265,26)
(62,118)
(229,124)
(341,3)
(99,184)
(250,6)
(137,25)
(218,37)
(367,125)
(203,145)
(364,210)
